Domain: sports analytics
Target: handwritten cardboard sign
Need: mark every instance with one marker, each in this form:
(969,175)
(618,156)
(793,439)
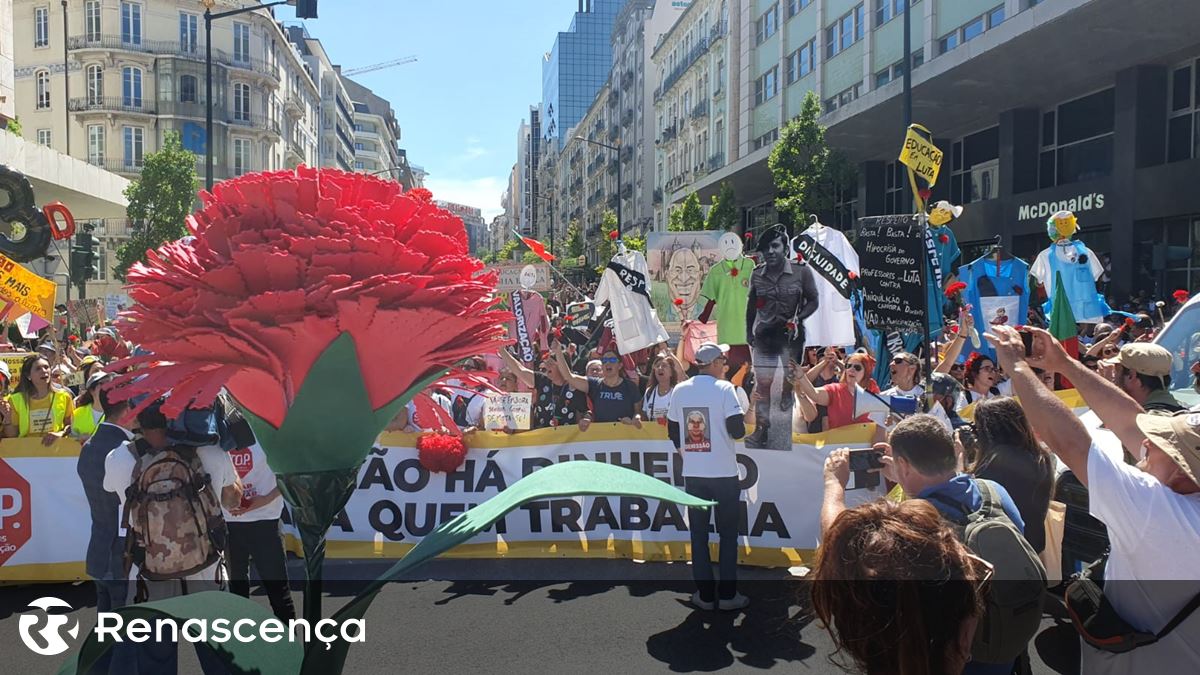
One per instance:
(507,411)
(920,155)
(889,250)
(510,277)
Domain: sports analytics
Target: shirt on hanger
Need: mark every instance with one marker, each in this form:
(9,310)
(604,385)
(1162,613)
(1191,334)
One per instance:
(625,288)
(998,295)
(728,285)
(833,322)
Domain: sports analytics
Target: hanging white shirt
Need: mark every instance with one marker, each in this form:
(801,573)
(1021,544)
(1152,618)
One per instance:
(635,325)
(833,322)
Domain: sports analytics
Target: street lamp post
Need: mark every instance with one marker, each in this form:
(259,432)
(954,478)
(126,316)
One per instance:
(616,149)
(208,101)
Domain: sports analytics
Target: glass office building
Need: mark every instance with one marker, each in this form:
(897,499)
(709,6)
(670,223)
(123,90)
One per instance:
(576,66)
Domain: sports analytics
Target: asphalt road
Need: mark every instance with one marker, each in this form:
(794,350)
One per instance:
(568,616)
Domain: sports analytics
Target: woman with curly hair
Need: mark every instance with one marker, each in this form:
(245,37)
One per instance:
(897,591)
(981,379)
(665,372)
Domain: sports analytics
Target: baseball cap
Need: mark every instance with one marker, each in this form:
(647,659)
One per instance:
(1143,358)
(1177,435)
(708,352)
(96,378)
(49,346)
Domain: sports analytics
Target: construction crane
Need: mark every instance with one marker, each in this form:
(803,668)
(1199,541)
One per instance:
(379,66)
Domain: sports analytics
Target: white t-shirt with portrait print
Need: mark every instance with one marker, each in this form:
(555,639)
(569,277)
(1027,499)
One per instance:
(700,407)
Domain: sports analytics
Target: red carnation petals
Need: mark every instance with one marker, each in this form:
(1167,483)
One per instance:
(678,302)
(852,275)
(954,289)
(282,264)
(1181,296)
(944,239)
(569,317)
(612,235)
(954,329)
(748,236)
(441,453)
(733,272)
(1129,322)
(925,194)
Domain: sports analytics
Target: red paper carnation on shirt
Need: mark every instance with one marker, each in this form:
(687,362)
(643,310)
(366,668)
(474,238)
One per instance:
(1181,296)
(733,272)
(441,453)
(678,302)
(954,289)
(945,239)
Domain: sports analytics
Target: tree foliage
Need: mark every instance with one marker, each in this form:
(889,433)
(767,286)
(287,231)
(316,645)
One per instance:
(14,126)
(723,214)
(808,175)
(688,217)
(160,200)
(505,254)
(574,240)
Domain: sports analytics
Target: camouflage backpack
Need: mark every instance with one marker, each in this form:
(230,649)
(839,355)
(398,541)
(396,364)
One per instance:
(172,514)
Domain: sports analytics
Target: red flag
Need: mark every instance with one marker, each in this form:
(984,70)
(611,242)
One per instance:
(538,248)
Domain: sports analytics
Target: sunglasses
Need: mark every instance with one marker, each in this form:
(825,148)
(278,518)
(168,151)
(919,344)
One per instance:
(898,361)
(855,366)
(610,359)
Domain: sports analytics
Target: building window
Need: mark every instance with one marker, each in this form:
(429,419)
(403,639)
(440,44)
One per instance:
(96,147)
(766,86)
(765,140)
(101,263)
(187,89)
(241,102)
(91,20)
(886,10)
(42,87)
(241,42)
(800,62)
(188,30)
(973,167)
(896,70)
(241,156)
(844,32)
(971,29)
(359,165)
(131,87)
(43,137)
(1077,140)
(843,98)
(134,146)
(95,84)
(794,6)
(893,189)
(131,23)
(1183,123)
(359,146)
(767,24)
(41,26)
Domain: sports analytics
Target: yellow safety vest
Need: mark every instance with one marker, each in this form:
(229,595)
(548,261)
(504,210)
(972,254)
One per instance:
(83,422)
(58,411)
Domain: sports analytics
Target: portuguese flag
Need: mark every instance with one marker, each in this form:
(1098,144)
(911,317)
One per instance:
(538,248)
(1062,319)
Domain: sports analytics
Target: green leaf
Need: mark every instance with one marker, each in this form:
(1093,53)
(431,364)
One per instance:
(257,656)
(331,424)
(160,199)
(568,479)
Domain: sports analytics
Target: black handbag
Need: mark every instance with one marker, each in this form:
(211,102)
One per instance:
(1099,624)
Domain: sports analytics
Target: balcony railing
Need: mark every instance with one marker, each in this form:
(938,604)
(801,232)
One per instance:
(118,165)
(716,161)
(612,167)
(344,136)
(700,111)
(142,106)
(183,50)
(261,122)
(614,101)
(627,118)
(627,153)
(658,195)
(688,59)
(614,132)
(719,30)
(668,134)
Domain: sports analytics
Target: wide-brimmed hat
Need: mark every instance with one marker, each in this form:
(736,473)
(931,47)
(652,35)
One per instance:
(1177,435)
(1143,358)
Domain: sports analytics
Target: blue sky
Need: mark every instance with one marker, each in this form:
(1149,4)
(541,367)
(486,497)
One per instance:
(460,105)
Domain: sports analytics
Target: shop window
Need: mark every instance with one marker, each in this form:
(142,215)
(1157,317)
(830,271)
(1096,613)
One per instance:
(1077,140)
(975,167)
(1183,123)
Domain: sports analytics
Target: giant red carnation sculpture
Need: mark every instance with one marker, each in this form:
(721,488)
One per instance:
(324,301)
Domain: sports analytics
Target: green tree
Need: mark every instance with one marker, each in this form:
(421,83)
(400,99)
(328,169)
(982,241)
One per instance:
(808,175)
(160,199)
(605,248)
(14,126)
(723,215)
(574,240)
(530,258)
(688,217)
(505,254)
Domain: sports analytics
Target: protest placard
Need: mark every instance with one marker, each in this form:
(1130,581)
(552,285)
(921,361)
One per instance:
(26,289)
(507,411)
(510,277)
(889,248)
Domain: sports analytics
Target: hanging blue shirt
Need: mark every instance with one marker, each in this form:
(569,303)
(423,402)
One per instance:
(948,253)
(984,278)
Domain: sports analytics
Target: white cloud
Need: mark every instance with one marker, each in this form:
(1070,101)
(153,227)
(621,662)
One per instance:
(483,193)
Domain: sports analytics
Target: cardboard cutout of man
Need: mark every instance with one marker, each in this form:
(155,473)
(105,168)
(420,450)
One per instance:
(726,289)
(783,294)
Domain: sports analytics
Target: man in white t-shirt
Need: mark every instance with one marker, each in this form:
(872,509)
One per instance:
(703,420)
(254,532)
(163,657)
(1152,510)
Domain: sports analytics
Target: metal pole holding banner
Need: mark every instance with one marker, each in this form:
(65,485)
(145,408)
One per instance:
(920,156)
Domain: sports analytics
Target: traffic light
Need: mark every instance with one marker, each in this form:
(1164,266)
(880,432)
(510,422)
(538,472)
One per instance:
(84,256)
(306,9)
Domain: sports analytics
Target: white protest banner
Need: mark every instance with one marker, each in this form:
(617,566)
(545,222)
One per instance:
(509,279)
(507,411)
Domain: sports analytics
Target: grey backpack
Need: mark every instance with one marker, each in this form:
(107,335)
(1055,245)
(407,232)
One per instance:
(1013,609)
